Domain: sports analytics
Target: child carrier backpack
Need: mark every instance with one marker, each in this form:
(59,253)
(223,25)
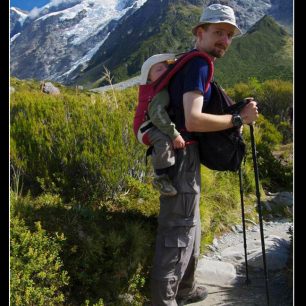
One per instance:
(142,122)
(221,150)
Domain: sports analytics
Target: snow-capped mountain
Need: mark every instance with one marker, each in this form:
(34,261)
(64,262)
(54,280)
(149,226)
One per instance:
(17,18)
(53,41)
(72,41)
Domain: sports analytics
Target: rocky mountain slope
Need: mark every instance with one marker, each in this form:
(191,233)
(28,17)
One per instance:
(49,43)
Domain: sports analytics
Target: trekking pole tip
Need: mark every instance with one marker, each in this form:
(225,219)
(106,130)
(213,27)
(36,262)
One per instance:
(248,282)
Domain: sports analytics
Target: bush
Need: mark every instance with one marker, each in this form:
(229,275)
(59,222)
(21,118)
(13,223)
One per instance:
(37,275)
(273,174)
(274,97)
(105,253)
(75,145)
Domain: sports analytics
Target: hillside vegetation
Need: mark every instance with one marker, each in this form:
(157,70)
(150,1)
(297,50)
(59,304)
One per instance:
(155,29)
(264,52)
(83,210)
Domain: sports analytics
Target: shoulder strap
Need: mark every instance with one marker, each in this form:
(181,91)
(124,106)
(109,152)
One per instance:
(219,100)
(178,65)
(221,103)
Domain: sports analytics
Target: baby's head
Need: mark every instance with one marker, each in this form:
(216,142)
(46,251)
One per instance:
(154,67)
(156,71)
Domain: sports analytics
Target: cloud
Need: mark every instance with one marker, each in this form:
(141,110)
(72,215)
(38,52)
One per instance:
(34,12)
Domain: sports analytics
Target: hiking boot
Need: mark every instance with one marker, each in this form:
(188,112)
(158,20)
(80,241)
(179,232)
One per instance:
(198,295)
(163,184)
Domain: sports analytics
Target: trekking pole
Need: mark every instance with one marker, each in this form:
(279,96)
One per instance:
(243,227)
(259,209)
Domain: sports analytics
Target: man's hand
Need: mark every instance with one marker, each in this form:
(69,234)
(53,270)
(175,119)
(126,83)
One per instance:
(178,142)
(249,113)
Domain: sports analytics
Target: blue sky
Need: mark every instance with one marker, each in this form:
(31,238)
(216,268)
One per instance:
(28,4)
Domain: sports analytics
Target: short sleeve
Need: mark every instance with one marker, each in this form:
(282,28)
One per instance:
(196,74)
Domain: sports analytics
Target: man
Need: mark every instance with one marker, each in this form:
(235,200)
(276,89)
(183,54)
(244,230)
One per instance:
(179,229)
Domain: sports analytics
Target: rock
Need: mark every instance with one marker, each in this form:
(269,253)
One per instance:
(49,88)
(284,198)
(276,250)
(215,243)
(250,221)
(233,254)
(267,206)
(215,272)
(239,228)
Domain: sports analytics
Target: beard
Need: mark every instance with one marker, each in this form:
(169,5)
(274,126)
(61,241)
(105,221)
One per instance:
(218,51)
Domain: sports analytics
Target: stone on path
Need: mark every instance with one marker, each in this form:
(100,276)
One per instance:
(276,250)
(215,272)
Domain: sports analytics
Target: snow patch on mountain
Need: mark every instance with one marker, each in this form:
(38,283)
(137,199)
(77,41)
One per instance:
(14,37)
(21,15)
(84,59)
(96,15)
(64,35)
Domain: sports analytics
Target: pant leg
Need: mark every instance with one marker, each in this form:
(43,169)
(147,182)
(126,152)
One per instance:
(163,155)
(177,230)
(187,284)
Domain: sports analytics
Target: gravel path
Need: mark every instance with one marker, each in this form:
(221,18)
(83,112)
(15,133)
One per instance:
(239,293)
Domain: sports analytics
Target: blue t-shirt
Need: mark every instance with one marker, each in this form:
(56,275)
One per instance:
(192,77)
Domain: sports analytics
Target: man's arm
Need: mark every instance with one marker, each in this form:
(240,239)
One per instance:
(196,121)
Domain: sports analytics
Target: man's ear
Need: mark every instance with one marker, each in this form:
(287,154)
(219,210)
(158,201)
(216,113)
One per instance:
(199,32)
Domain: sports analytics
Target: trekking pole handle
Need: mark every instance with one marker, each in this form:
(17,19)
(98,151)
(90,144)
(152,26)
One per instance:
(248,100)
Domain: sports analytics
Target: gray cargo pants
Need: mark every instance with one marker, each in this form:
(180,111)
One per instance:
(179,231)
(163,154)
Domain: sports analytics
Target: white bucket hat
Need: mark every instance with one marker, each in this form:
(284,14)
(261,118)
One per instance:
(218,13)
(154,59)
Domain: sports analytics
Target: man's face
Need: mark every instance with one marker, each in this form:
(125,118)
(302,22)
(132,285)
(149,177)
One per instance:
(215,39)
(157,70)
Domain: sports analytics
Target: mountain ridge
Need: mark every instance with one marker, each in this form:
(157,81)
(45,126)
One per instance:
(147,27)
(54,39)
(239,66)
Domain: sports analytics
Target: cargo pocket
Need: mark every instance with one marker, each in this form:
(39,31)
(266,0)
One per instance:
(187,170)
(174,244)
(178,240)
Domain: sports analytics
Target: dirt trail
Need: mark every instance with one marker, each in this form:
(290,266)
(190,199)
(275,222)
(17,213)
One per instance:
(253,294)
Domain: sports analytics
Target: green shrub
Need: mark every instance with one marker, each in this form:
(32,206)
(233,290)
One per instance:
(37,274)
(274,98)
(75,145)
(273,174)
(106,253)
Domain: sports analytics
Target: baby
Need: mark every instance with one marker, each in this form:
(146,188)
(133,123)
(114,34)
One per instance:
(163,135)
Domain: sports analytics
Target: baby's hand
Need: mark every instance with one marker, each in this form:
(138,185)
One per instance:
(178,142)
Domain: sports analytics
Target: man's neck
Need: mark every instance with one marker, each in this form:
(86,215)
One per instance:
(210,56)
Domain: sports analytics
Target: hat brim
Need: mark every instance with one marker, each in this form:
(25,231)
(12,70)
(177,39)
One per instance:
(236,32)
(154,59)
